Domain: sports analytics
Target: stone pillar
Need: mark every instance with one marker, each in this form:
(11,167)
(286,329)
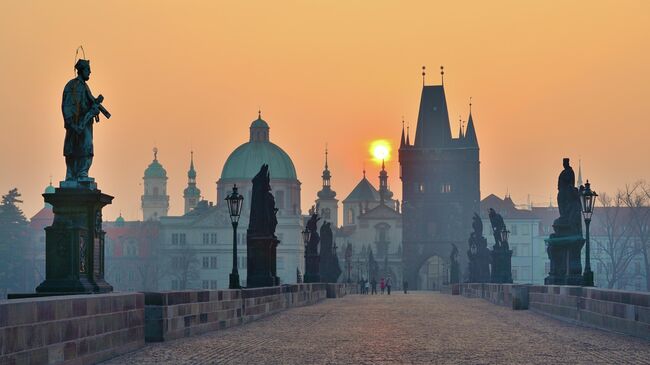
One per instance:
(566,265)
(74,243)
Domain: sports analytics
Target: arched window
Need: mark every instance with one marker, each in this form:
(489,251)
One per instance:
(326,213)
(350,216)
(155,191)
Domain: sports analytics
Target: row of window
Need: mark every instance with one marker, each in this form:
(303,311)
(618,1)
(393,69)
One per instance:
(210,238)
(445,188)
(179,239)
(210,262)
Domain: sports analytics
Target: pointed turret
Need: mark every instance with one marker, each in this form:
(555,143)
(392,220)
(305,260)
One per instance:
(402,142)
(191,194)
(579,172)
(460,129)
(470,133)
(408,132)
(326,192)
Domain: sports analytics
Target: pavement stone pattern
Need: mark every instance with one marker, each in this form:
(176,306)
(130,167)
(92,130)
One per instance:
(416,328)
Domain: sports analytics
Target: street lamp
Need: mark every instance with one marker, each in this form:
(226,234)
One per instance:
(234,208)
(504,236)
(587,198)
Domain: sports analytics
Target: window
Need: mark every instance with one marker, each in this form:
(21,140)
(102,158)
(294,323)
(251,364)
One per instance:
(174,284)
(181,238)
(525,230)
(350,216)
(420,187)
(326,213)
(445,188)
(174,238)
(280,263)
(206,238)
(206,262)
(213,284)
(213,238)
(279,199)
(213,262)
(176,262)
(205,284)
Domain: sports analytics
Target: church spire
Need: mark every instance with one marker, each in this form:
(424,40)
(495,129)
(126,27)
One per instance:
(579,172)
(402,140)
(470,132)
(408,132)
(191,194)
(383,183)
(460,128)
(326,192)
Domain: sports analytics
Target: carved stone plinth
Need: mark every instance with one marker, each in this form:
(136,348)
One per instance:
(564,254)
(479,260)
(261,261)
(501,265)
(312,268)
(74,243)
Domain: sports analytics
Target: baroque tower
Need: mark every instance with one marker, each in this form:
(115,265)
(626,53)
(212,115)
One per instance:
(440,186)
(155,201)
(191,194)
(327,203)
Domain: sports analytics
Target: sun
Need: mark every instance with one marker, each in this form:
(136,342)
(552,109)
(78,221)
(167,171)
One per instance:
(380,150)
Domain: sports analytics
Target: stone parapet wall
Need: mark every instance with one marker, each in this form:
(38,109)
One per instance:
(76,329)
(175,314)
(339,290)
(615,310)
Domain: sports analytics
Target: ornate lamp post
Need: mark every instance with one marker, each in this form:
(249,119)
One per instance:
(234,208)
(588,198)
(504,237)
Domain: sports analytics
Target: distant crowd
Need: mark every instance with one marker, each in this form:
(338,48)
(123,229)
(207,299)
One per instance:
(385,285)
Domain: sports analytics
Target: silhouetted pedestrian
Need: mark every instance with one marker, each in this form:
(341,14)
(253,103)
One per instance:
(388,285)
(366,286)
(405,285)
(382,285)
(373,284)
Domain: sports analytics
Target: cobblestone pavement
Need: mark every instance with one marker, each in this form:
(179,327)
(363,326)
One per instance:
(418,328)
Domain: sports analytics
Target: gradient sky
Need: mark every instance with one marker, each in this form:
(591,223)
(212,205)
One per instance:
(548,80)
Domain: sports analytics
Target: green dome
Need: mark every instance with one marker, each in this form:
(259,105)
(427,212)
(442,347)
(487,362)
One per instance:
(155,170)
(245,161)
(259,123)
(49,189)
(119,221)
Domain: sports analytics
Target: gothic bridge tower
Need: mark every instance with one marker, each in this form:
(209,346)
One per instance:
(440,191)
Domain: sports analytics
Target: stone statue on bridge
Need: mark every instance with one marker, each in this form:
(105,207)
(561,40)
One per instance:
(564,245)
(478,254)
(329,263)
(501,252)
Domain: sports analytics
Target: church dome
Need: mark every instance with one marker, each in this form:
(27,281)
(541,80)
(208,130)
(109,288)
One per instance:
(155,169)
(49,189)
(245,161)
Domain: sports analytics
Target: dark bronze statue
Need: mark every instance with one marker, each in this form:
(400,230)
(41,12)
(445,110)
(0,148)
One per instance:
(568,202)
(263,219)
(479,254)
(498,226)
(454,265)
(329,263)
(80,110)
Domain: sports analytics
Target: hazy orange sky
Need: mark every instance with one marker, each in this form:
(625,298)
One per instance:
(548,79)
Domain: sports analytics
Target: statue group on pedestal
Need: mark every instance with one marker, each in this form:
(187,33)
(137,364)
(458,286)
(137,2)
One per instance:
(329,261)
(261,242)
(312,260)
(501,253)
(564,245)
(478,254)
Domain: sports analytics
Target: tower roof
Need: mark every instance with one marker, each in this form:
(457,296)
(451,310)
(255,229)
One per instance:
(155,169)
(470,134)
(191,173)
(364,191)
(433,119)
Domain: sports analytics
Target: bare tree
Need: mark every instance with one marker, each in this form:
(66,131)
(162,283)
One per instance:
(637,199)
(184,266)
(616,244)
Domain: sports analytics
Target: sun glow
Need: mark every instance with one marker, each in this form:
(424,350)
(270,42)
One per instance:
(380,150)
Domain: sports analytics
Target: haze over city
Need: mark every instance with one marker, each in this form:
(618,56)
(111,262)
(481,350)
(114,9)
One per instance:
(547,81)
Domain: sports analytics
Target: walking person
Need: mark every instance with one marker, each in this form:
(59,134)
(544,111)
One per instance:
(405,285)
(366,286)
(388,285)
(374,286)
(382,285)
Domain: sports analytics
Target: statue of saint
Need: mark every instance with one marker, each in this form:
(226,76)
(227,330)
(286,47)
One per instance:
(263,217)
(498,226)
(80,110)
(568,201)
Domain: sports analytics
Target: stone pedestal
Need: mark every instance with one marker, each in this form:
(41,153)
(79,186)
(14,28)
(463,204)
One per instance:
(261,261)
(564,253)
(479,261)
(74,243)
(501,265)
(312,268)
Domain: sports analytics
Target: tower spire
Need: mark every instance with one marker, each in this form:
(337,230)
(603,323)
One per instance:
(442,75)
(326,167)
(383,183)
(402,140)
(408,131)
(579,172)
(424,73)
